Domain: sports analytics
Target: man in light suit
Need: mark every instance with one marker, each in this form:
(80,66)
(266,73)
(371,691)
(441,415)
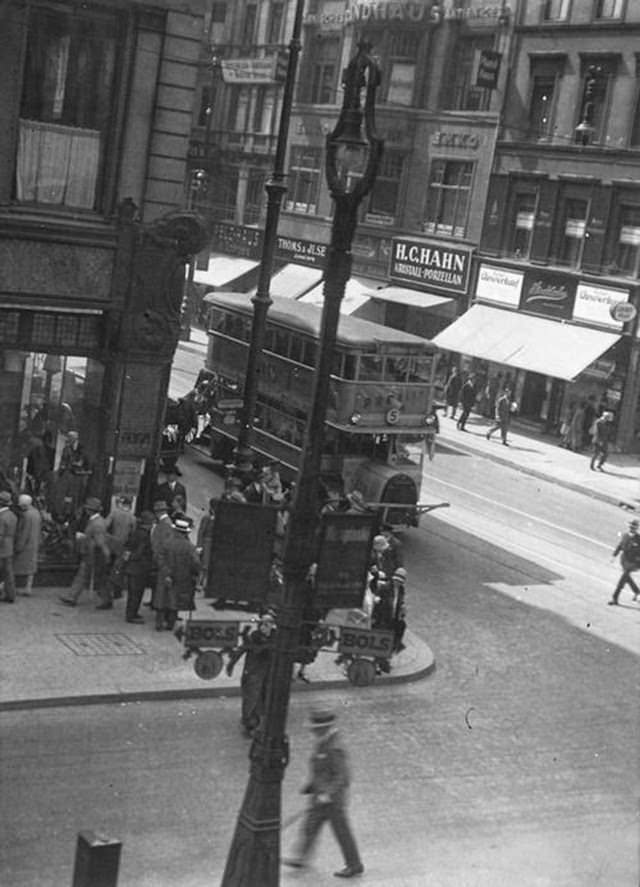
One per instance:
(8,526)
(95,555)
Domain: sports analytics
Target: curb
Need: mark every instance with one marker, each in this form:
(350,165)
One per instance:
(541,475)
(205,692)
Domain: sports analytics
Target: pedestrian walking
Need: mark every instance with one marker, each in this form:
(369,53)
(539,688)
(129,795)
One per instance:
(95,554)
(452,392)
(629,550)
(137,558)
(27,543)
(178,569)
(170,489)
(467,399)
(602,436)
(120,523)
(432,429)
(328,790)
(257,648)
(8,528)
(204,542)
(503,412)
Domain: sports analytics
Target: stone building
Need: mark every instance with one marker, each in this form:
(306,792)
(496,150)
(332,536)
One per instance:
(95,114)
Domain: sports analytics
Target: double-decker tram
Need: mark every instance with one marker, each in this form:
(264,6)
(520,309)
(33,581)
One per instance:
(380,395)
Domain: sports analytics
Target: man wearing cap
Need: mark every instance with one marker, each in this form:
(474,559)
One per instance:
(25,560)
(8,527)
(328,788)
(629,550)
(257,648)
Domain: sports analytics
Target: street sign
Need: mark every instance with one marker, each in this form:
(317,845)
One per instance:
(364,642)
(211,633)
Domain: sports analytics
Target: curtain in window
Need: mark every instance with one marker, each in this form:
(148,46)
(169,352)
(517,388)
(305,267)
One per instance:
(57,164)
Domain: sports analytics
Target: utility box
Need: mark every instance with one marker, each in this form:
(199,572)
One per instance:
(97,861)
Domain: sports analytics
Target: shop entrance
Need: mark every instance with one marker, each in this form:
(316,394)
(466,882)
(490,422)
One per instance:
(534,392)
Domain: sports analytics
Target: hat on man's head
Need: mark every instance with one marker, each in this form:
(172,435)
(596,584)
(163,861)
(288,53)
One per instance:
(321,718)
(24,500)
(380,543)
(183,524)
(93,504)
(5,497)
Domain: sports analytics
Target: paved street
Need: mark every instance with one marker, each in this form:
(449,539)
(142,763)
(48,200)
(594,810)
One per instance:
(516,762)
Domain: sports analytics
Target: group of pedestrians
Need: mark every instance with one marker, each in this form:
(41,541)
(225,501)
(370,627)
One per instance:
(20,529)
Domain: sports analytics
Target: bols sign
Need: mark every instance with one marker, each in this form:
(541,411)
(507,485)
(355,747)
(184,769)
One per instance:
(430,264)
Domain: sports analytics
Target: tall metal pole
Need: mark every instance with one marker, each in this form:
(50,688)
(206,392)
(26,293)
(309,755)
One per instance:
(254,855)
(276,189)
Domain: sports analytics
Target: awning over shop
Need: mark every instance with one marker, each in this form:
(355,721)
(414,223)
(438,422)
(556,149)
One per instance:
(294,281)
(223,270)
(404,296)
(357,292)
(549,347)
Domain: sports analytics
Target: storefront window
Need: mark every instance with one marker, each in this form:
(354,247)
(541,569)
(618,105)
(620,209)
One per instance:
(47,401)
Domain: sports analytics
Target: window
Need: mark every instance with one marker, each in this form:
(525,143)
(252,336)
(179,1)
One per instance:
(463,94)
(555,10)
(67,102)
(386,191)
(249,24)
(304,179)
(541,107)
(401,55)
(275,23)
(609,8)
(573,216)
(255,200)
(523,216)
(627,249)
(591,125)
(218,12)
(448,197)
(322,86)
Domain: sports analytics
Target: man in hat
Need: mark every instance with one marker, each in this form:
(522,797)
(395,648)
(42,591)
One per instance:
(138,565)
(328,788)
(180,570)
(603,432)
(161,533)
(172,492)
(94,554)
(629,550)
(25,561)
(8,527)
(257,648)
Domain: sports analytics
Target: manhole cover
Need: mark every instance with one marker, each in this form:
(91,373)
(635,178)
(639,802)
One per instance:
(100,645)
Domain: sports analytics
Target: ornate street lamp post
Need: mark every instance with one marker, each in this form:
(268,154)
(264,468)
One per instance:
(276,189)
(351,165)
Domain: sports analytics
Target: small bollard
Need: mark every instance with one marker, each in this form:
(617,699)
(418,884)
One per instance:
(97,861)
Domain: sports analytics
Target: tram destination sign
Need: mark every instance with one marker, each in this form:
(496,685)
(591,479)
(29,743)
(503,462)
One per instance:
(430,264)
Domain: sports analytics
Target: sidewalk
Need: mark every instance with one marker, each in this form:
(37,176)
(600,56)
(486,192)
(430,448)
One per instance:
(540,456)
(51,655)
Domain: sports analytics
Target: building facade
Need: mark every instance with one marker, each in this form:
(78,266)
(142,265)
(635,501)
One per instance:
(95,114)
(555,280)
(438,110)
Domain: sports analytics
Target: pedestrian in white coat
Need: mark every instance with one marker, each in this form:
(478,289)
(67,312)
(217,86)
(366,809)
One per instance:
(27,543)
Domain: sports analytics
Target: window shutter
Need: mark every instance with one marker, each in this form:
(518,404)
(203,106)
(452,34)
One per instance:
(593,253)
(541,241)
(492,239)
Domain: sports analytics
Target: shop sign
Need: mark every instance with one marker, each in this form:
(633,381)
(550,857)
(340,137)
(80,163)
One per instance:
(236,240)
(301,252)
(470,141)
(499,285)
(548,294)
(126,477)
(336,15)
(249,70)
(430,262)
(596,304)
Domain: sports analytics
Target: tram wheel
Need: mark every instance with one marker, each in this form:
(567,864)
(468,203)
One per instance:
(208,665)
(361,672)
